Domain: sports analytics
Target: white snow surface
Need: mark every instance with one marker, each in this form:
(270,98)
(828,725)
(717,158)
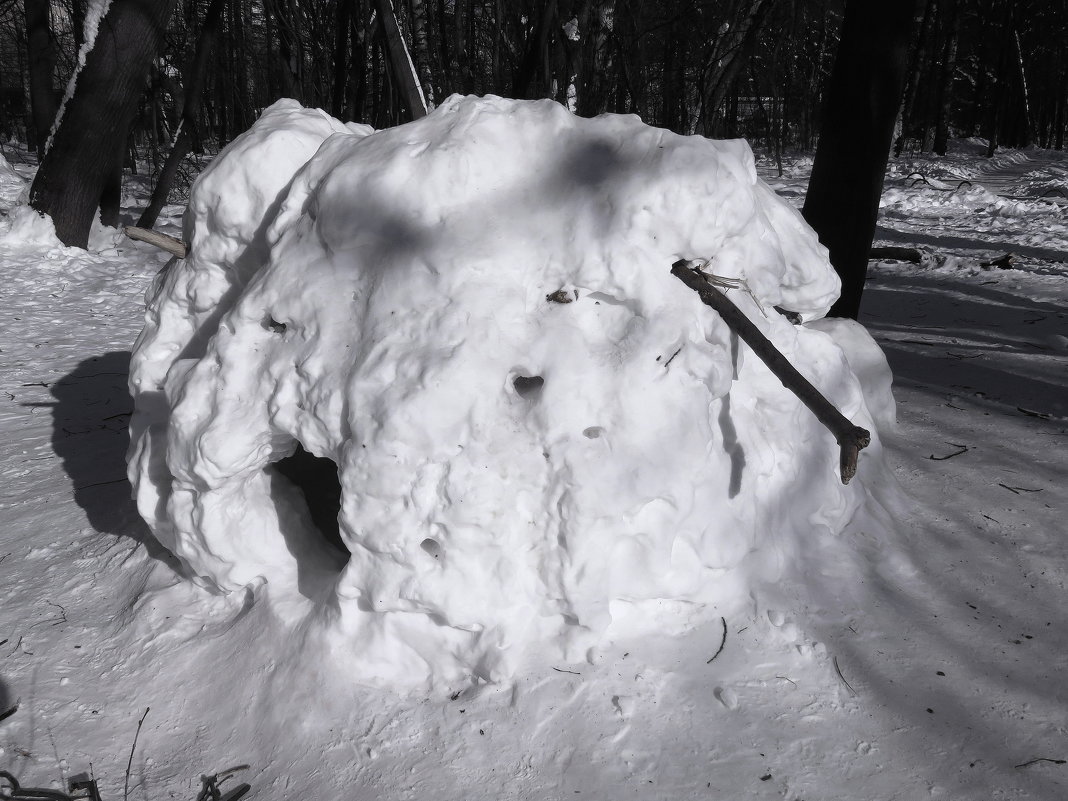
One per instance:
(917,657)
(517,467)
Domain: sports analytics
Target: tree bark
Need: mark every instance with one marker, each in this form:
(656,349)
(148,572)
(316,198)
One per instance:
(421,47)
(730,54)
(945,80)
(91,135)
(40,49)
(341,60)
(403,69)
(863,98)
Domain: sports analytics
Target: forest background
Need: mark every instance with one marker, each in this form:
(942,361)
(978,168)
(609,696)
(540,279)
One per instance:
(723,68)
(109,89)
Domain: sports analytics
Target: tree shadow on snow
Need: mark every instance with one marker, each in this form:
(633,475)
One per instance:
(90,421)
(988,343)
(944,242)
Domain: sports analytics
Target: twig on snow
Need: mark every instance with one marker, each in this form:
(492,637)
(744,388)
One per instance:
(1004,262)
(1018,490)
(572,672)
(722,642)
(129,764)
(1041,759)
(963,449)
(838,670)
(1029,413)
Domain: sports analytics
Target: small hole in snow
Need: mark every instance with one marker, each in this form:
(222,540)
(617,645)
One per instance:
(271,324)
(431,546)
(528,386)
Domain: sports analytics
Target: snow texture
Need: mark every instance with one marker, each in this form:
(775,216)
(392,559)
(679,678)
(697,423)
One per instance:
(542,437)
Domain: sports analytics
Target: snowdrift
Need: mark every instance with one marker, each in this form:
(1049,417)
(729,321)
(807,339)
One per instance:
(432,394)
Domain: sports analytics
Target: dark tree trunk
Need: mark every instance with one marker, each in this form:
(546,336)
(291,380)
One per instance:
(945,79)
(77,21)
(341,62)
(40,49)
(91,135)
(403,70)
(194,90)
(534,56)
(421,48)
(289,54)
(863,98)
(730,55)
(111,195)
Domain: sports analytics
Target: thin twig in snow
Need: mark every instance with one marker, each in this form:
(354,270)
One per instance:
(1042,759)
(1029,413)
(1018,490)
(722,643)
(129,764)
(838,670)
(963,449)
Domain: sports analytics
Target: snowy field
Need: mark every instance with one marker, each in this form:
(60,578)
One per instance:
(919,657)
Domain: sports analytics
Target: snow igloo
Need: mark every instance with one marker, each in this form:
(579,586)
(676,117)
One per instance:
(435,393)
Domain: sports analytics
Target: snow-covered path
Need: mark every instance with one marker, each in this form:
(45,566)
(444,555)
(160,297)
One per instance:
(927,665)
(1026,174)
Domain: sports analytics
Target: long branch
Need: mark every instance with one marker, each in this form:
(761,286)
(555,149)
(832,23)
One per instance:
(851,439)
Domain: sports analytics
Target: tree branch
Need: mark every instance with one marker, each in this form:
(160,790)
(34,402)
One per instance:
(851,439)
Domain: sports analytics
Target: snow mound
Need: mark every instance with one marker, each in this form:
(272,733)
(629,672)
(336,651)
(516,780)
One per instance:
(541,437)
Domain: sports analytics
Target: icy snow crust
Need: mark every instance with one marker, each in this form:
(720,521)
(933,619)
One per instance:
(381,299)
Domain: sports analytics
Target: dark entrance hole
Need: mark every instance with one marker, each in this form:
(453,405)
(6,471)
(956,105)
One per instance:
(528,386)
(317,478)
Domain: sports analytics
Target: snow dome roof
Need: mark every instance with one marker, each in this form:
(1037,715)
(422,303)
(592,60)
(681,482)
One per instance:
(539,435)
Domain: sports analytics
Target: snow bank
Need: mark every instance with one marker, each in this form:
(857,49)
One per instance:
(25,227)
(541,436)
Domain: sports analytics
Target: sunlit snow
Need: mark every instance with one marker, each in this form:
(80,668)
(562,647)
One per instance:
(541,436)
(917,651)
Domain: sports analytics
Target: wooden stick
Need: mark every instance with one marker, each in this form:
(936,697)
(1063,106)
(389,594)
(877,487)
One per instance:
(176,247)
(851,439)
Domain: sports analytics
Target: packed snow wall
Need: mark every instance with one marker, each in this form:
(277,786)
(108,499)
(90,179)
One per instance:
(539,434)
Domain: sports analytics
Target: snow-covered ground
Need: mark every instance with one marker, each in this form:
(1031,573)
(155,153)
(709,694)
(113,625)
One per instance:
(922,658)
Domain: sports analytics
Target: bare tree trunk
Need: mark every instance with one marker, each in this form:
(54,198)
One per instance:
(289,54)
(945,80)
(40,49)
(535,55)
(341,63)
(91,135)
(729,55)
(1028,122)
(842,203)
(400,60)
(194,90)
(422,50)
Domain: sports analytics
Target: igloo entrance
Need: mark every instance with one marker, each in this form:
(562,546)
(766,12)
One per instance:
(317,479)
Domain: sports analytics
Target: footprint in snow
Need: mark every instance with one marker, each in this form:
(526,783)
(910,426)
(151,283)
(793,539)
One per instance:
(727,697)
